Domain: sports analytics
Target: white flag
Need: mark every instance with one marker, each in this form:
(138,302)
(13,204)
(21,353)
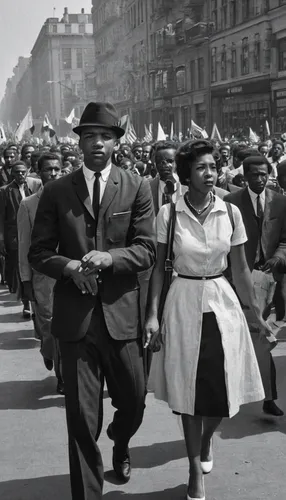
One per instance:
(161,136)
(267,128)
(253,137)
(197,131)
(215,134)
(2,134)
(48,127)
(69,119)
(26,124)
(148,135)
(172,131)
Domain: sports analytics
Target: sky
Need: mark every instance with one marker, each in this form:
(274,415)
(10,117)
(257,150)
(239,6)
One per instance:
(21,22)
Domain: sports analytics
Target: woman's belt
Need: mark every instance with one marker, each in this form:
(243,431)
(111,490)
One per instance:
(200,277)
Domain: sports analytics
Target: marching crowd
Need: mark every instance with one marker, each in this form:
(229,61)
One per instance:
(148,266)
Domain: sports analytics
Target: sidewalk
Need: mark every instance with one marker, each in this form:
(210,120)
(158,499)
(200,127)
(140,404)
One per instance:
(250,450)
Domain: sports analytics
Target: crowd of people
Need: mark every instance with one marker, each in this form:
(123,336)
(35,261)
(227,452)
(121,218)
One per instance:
(84,242)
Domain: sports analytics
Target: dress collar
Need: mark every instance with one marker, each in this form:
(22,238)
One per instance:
(219,206)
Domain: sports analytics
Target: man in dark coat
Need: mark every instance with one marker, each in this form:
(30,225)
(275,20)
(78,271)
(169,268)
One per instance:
(264,217)
(10,199)
(94,233)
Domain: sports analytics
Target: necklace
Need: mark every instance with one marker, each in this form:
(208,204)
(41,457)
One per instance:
(191,207)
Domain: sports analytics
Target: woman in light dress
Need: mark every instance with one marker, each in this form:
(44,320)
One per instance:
(206,367)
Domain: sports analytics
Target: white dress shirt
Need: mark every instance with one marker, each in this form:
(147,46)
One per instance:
(22,191)
(254,196)
(90,177)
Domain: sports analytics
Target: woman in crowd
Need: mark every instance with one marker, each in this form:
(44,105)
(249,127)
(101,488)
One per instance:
(206,367)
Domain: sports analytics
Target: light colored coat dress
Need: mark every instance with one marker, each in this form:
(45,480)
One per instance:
(201,250)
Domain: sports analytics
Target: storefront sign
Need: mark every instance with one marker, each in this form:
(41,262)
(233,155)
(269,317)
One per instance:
(254,87)
(235,90)
(179,101)
(281,103)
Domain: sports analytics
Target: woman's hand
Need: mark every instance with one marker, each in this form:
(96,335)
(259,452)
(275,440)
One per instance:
(265,327)
(152,334)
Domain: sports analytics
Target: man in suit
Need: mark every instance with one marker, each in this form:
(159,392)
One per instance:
(94,233)
(264,216)
(166,184)
(10,199)
(38,288)
(10,156)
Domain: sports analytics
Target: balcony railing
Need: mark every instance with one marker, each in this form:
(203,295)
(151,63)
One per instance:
(198,33)
(166,45)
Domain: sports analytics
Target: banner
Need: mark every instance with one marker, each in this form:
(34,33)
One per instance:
(26,124)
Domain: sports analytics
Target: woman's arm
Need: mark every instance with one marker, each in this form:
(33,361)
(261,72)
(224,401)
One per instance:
(155,290)
(244,286)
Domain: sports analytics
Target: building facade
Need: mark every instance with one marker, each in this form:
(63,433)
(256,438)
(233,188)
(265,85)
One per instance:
(62,58)
(152,60)
(10,113)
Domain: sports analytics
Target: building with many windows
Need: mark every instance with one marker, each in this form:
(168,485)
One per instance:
(62,57)
(240,64)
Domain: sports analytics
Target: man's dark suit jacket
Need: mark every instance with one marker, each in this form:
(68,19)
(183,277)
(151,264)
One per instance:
(5,177)
(65,220)
(10,199)
(273,237)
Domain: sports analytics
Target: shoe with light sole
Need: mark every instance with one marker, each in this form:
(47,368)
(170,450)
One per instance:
(207,467)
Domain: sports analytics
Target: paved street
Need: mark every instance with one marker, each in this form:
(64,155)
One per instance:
(250,450)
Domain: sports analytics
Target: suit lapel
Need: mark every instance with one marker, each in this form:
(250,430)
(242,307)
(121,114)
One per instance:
(82,191)
(247,205)
(110,191)
(155,193)
(15,195)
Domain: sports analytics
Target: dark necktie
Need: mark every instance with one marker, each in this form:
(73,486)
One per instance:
(96,196)
(259,212)
(259,209)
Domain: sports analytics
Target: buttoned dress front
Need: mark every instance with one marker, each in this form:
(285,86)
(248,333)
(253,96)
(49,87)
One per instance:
(201,250)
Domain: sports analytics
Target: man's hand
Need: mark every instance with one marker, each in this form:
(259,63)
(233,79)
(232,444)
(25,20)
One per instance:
(272,264)
(85,283)
(28,291)
(153,339)
(95,261)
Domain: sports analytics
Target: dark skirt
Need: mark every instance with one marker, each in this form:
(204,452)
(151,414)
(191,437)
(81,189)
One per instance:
(211,395)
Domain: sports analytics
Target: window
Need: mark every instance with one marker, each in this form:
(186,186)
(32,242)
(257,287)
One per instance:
(181,79)
(201,72)
(282,54)
(81,28)
(256,53)
(68,28)
(193,74)
(247,9)
(213,65)
(245,57)
(67,58)
(224,14)
(55,28)
(223,70)
(214,13)
(142,10)
(233,61)
(165,80)
(233,12)
(79,59)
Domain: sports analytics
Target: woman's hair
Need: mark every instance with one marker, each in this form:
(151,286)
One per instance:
(188,154)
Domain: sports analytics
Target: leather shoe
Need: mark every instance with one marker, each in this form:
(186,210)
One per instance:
(120,461)
(271,408)
(121,464)
(60,387)
(48,364)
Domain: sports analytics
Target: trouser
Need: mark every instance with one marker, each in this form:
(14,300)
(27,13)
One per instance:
(86,364)
(12,274)
(43,287)
(264,287)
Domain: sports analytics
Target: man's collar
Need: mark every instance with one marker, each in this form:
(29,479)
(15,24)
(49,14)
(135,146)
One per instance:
(89,174)
(254,195)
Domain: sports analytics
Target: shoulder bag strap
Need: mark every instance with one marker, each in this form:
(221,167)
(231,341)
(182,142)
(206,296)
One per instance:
(230,214)
(170,240)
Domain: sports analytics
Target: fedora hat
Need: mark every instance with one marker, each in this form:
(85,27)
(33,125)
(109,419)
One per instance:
(100,114)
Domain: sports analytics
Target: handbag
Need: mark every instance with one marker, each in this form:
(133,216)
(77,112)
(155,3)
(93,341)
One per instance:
(168,274)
